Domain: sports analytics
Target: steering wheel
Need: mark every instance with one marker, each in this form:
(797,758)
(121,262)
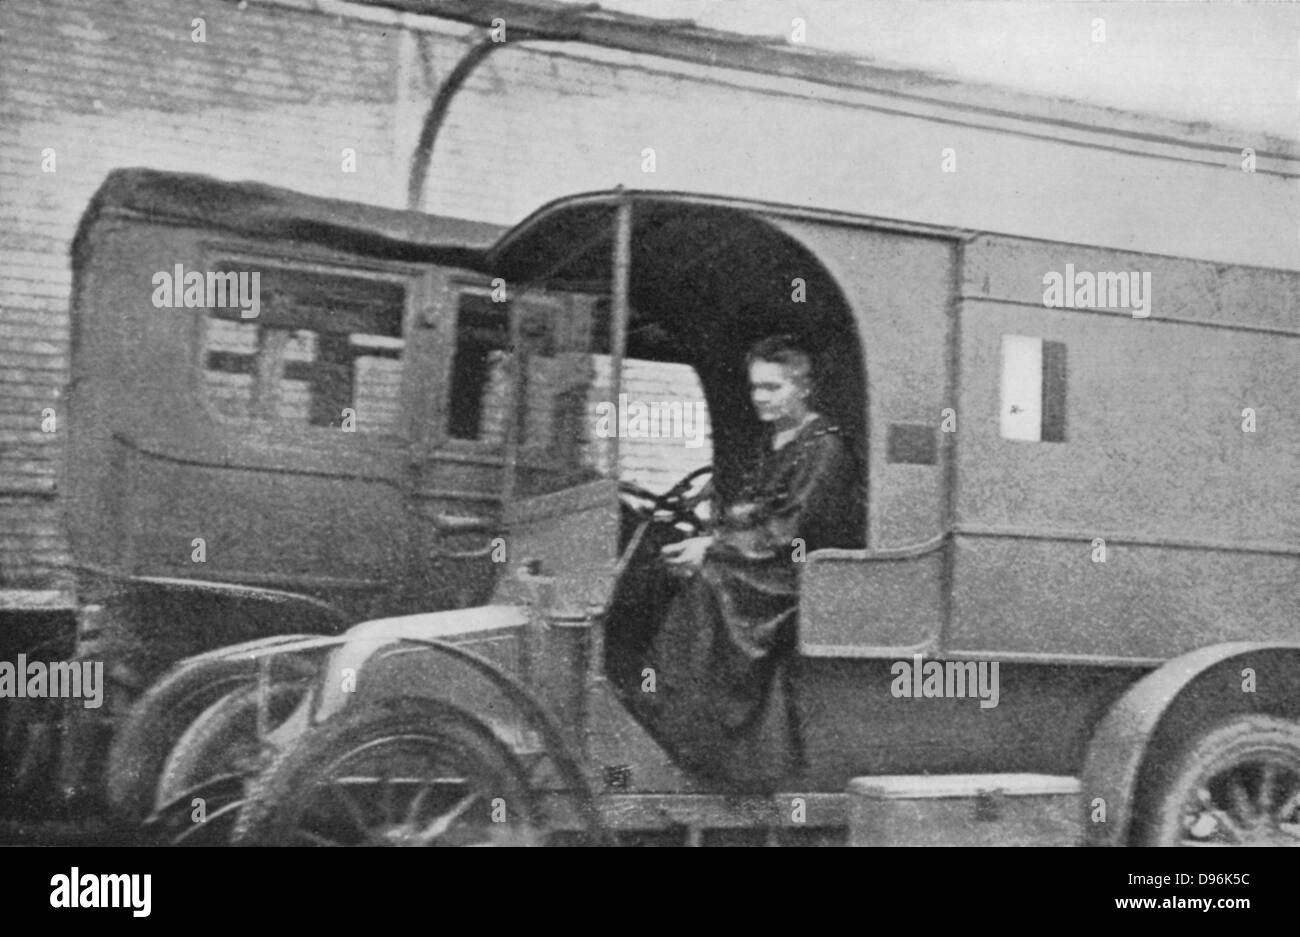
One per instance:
(679,501)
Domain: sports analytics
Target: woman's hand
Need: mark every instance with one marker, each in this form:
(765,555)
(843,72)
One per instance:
(685,556)
(742,512)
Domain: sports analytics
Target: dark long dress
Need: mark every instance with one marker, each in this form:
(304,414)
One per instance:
(729,636)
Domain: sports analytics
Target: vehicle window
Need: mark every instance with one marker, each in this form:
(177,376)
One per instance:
(567,414)
(1033,390)
(662,421)
(479,377)
(324,349)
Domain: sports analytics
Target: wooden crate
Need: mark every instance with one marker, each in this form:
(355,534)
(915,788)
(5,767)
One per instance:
(965,810)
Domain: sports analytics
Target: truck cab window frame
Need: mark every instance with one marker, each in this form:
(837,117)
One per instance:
(329,337)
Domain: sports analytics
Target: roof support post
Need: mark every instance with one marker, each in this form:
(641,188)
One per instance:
(621,310)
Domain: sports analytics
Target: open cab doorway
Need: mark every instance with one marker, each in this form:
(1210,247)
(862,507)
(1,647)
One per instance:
(695,287)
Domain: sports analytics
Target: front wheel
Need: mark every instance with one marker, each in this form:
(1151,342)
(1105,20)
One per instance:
(403,773)
(1236,785)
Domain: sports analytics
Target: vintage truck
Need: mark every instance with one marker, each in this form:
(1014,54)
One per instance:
(1079,469)
(236,472)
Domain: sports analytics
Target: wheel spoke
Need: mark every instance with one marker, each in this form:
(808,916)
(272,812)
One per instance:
(439,825)
(1267,788)
(1225,824)
(386,802)
(413,810)
(354,811)
(417,802)
(1291,806)
(1240,798)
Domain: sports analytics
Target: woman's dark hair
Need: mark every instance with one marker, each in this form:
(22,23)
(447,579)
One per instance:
(786,351)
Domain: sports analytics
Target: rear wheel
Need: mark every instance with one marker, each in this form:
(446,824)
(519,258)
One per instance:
(224,739)
(203,782)
(160,718)
(1236,785)
(204,816)
(404,773)
(157,721)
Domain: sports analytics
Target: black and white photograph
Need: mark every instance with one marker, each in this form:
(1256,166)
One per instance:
(793,423)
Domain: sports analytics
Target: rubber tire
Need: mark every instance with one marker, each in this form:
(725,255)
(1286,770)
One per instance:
(199,753)
(174,824)
(280,793)
(1206,755)
(156,722)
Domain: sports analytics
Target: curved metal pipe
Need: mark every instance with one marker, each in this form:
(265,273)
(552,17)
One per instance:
(422,158)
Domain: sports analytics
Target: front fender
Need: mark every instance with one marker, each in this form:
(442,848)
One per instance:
(372,663)
(263,647)
(476,660)
(1159,711)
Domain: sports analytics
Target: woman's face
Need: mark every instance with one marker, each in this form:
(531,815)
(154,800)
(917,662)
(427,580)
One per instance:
(777,397)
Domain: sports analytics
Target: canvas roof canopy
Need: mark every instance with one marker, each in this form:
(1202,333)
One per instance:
(269,212)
